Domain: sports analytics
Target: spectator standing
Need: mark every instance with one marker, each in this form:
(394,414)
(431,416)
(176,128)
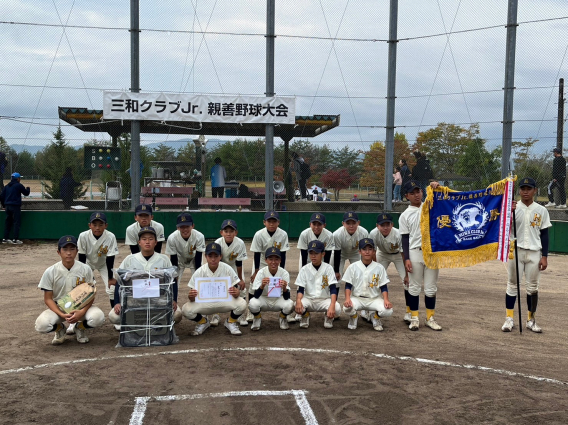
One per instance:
(404,172)
(3,163)
(11,200)
(558,180)
(422,172)
(218,176)
(298,166)
(397,180)
(67,186)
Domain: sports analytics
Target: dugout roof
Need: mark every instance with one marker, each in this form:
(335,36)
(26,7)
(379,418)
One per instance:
(93,120)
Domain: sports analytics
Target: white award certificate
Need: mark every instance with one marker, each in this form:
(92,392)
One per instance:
(212,289)
(146,288)
(274,289)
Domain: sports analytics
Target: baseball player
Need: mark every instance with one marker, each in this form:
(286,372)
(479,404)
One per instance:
(366,287)
(144,218)
(56,282)
(532,222)
(271,236)
(147,259)
(185,245)
(418,273)
(263,300)
(233,253)
(388,242)
(317,288)
(346,241)
(197,311)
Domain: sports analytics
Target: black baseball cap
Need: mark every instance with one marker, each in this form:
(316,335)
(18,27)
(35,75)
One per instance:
(98,216)
(184,219)
(272,251)
(384,218)
(557,150)
(527,181)
(143,209)
(229,223)
(213,247)
(316,246)
(350,215)
(411,185)
(319,217)
(66,240)
(147,229)
(367,241)
(271,214)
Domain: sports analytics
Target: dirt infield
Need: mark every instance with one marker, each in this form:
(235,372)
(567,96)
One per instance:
(471,372)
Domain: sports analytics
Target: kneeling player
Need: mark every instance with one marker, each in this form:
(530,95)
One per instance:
(263,300)
(197,311)
(365,282)
(317,288)
(56,282)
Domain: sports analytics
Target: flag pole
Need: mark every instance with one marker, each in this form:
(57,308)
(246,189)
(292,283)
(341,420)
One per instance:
(517,264)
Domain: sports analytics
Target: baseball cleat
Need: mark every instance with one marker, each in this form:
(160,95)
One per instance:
(200,328)
(407,318)
(81,335)
(291,318)
(233,327)
(250,317)
(70,329)
(243,320)
(305,322)
(432,324)
(215,320)
(327,323)
(508,325)
(377,323)
(117,328)
(531,324)
(59,337)
(365,315)
(256,324)
(352,322)
(550,204)
(284,324)
(414,324)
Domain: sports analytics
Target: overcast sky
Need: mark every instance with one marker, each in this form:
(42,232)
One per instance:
(456,78)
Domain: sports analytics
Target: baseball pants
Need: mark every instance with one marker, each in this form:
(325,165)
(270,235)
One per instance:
(385,259)
(115,318)
(319,304)
(421,275)
(262,303)
(369,304)
(528,265)
(236,305)
(94,317)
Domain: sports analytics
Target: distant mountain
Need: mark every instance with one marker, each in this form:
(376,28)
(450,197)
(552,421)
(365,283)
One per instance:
(33,149)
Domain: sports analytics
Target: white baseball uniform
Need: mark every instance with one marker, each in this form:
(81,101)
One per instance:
(132,232)
(262,241)
(266,303)
(308,235)
(230,254)
(185,249)
(366,284)
(97,250)
(530,221)
(316,283)
(60,280)
(409,224)
(389,249)
(237,305)
(349,245)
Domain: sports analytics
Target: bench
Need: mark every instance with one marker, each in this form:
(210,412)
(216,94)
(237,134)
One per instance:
(224,201)
(261,191)
(166,196)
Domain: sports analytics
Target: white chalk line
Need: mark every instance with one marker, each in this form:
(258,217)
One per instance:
(137,417)
(291,349)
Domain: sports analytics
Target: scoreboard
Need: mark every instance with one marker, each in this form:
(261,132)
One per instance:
(102,158)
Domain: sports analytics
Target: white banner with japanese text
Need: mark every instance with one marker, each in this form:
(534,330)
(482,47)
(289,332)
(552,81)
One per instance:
(198,108)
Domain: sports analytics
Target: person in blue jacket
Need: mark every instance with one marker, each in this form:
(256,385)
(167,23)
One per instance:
(11,200)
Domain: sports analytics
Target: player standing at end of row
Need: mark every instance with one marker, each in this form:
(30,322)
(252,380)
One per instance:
(388,241)
(56,282)
(418,273)
(97,249)
(233,253)
(144,218)
(271,236)
(532,222)
(366,288)
(263,300)
(317,288)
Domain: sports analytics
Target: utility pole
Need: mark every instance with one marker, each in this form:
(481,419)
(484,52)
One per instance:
(391,97)
(134,88)
(560,120)
(269,133)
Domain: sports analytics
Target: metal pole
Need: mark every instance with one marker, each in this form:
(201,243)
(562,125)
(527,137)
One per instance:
(509,88)
(560,120)
(134,88)
(391,96)
(269,148)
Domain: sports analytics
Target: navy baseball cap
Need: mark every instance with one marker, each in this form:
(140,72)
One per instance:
(411,185)
(147,229)
(319,217)
(67,240)
(350,215)
(271,214)
(527,181)
(213,247)
(316,246)
(184,219)
(16,175)
(229,223)
(384,218)
(557,150)
(367,241)
(143,209)
(98,216)
(272,251)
